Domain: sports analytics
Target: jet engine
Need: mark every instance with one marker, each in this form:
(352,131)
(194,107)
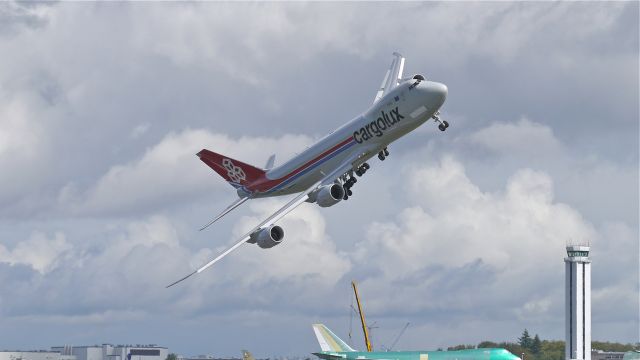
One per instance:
(268,237)
(328,195)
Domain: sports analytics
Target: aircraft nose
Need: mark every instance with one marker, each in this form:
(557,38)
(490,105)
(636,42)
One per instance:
(437,93)
(434,93)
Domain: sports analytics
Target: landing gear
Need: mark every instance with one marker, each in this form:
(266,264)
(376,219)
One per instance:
(383,154)
(348,183)
(443,124)
(362,169)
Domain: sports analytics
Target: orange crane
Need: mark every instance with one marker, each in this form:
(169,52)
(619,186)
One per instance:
(364,324)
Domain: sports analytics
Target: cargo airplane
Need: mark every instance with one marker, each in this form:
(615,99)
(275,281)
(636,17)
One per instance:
(333,348)
(324,172)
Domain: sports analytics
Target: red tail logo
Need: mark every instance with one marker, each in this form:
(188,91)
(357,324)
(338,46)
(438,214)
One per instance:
(235,173)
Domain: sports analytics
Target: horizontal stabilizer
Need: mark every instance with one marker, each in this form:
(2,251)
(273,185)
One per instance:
(329,356)
(270,162)
(234,205)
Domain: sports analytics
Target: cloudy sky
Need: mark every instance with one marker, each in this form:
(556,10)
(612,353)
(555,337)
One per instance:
(462,233)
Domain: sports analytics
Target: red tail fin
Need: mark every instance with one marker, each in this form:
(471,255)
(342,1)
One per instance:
(235,172)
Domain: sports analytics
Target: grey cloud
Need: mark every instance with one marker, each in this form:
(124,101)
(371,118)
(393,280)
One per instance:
(101,114)
(15,16)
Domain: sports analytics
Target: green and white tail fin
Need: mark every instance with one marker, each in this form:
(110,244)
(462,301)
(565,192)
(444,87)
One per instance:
(246,355)
(328,340)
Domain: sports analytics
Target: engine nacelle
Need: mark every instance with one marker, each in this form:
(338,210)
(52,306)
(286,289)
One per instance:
(268,237)
(327,195)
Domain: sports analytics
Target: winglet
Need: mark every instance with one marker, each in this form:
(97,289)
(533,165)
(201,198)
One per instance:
(184,278)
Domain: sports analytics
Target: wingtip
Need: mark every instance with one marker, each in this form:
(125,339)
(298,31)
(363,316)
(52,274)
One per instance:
(184,278)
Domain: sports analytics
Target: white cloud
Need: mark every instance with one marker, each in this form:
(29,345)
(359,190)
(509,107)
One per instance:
(24,146)
(451,225)
(170,170)
(523,138)
(39,252)
(503,147)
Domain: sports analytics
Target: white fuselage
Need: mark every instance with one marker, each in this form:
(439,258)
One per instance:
(403,109)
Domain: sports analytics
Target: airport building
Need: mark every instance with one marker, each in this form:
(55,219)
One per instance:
(29,355)
(113,352)
(607,355)
(577,303)
(92,352)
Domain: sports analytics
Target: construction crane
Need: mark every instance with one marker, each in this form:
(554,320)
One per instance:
(398,337)
(364,324)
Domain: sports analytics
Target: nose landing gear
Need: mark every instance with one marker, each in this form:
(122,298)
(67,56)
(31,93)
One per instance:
(443,124)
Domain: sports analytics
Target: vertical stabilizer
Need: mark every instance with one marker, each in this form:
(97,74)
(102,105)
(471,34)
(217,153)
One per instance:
(234,171)
(246,355)
(328,340)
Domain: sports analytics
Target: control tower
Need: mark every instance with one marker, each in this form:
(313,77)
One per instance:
(577,303)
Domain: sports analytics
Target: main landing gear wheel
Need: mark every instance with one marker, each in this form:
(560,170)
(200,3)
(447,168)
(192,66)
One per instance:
(383,154)
(348,183)
(362,169)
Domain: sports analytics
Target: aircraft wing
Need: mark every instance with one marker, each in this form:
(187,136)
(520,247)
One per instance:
(392,77)
(294,203)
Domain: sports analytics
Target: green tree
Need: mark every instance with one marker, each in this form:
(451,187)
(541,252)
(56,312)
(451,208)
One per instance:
(487,344)
(172,356)
(609,346)
(516,349)
(551,350)
(525,340)
(536,345)
(460,347)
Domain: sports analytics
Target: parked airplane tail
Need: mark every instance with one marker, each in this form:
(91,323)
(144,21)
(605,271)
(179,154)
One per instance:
(234,171)
(328,340)
(246,355)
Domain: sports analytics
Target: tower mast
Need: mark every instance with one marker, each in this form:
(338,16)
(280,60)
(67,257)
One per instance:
(578,303)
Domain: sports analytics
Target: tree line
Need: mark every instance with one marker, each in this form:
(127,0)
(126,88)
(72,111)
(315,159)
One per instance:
(529,348)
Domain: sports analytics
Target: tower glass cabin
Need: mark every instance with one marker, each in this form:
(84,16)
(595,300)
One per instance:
(577,303)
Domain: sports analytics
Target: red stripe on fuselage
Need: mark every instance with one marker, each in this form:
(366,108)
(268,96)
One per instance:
(264,184)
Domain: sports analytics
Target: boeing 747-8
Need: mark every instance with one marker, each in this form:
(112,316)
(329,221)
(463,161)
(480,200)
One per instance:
(324,172)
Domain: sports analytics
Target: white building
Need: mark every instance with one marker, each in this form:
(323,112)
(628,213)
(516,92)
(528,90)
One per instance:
(577,303)
(29,355)
(114,352)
